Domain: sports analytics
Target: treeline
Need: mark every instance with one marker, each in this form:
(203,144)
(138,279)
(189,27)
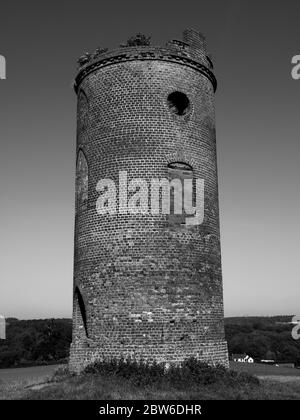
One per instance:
(47,341)
(263,338)
(34,342)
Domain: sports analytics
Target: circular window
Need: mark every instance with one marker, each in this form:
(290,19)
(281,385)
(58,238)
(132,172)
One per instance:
(179,103)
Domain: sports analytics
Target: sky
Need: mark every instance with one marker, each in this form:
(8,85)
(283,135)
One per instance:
(258,126)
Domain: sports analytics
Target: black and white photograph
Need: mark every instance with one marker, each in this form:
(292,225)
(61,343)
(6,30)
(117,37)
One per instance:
(150,156)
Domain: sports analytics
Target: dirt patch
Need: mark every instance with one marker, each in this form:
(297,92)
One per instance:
(38,386)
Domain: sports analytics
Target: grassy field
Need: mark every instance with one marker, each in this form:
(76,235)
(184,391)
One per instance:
(102,388)
(91,387)
(111,386)
(32,374)
(260,369)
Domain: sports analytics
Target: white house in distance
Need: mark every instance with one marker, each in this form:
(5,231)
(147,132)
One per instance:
(242,358)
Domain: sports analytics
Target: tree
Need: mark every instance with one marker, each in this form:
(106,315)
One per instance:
(289,354)
(270,355)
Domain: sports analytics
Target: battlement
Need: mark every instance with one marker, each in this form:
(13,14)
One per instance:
(194,39)
(191,51)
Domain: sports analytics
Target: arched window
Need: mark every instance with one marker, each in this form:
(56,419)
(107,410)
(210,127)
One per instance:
(79,313)
(180,191)
(81,182)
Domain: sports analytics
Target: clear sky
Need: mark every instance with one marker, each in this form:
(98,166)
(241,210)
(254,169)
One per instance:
(258,126)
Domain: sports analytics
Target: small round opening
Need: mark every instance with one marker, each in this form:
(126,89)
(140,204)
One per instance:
(178,103)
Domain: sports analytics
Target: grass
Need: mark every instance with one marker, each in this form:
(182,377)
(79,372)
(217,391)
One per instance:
(130,380)
(261,369)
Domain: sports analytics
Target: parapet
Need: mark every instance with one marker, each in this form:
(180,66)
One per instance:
(191,51)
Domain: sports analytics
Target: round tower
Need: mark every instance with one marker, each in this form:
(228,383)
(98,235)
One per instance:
(147,282)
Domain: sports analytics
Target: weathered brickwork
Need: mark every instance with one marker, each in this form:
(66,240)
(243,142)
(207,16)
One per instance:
(143,286)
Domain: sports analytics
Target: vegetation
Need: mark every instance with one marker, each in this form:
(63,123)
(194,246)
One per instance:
(138,39)
(47,341)
(263,338)
(34,342)
(190,372)
(266,370)
(127,380)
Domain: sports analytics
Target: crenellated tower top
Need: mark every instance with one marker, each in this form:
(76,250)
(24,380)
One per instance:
(191,51)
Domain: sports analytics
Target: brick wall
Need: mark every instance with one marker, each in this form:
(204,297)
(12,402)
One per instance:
(150,288)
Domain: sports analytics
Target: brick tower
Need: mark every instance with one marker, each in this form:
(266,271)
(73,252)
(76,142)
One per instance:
(147,285)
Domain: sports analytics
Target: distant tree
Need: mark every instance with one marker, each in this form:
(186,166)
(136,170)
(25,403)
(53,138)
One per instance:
(237,344)
(35,340)
(289,354)
(9,358)
(262,338)
(270,355)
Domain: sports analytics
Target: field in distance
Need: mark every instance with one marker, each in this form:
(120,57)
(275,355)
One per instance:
(264,371)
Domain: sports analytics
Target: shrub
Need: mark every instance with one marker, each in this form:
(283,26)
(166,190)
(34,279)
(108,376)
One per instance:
(190,373)
(138,39)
